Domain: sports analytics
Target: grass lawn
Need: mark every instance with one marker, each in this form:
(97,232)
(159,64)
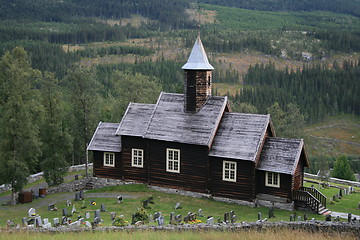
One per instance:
(133,195)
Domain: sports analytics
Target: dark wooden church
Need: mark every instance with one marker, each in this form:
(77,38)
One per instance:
(193,142)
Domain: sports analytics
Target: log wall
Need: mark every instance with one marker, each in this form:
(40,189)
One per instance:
(108,172)
(285,189)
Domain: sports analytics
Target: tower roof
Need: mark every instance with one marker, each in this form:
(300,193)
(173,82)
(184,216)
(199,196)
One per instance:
(198,59)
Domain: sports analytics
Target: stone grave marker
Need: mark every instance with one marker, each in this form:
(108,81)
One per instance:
(102,208)
(24,221)
(46,221)
(178,218)
(271,212)
(73,210)
(87,215)
(32,212)
(200,213)
(227,217)
(160,221)
(259,215)
(38,222)
(56,222)
(151,218)
(87,224)
(210,221)
(133,219)
(97,220)
(77,196)
(292,217)
(97,213)
(337,219)
(68,203)
(178,205)
(186,219)
(65,212)
(349,217)
(51,207)
(232,213)
(340,192)
(328,218)
(172,218)
(145,204)
(265,219)
(81,193)
(112,216)
(299,218)
(233,218)
(64,220)
(74,224)
(157,215)
(81,220)
(119,199)
(76,177)
(305,217)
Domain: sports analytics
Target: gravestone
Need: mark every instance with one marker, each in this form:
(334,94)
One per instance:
(87,224)
(56,222)
(271,212)
(259,215)
(74,224)
(359,205)
(178,205)
(146,204)
(233,218)
(64,220)
(232,213)
(299,218)
(172,218)
(337,219)
(340,192)
(265,219)
(31,212)
(102,208)
(38,222)
(157,215)
(119,199)
(328,218)
(160,221)
(133,217)
(77,196)
(24,221)
(210,221)
(227,217)
(97,213)
(186,219)
(200,213)
(81,193)
(76,177)
(97,220)
(178,218)
(81,220)
(65,212)
(292,217)
(46,221)
(87,215)
(51,207)
(349,217)
(68,203)
(151,218)
(113,216)
(305,217)
(350,190)
(73,210)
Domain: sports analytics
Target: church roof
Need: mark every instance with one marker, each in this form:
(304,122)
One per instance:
(135,119)
(240,136)
(281,155)
(198,59)
(169,121)
(104,138)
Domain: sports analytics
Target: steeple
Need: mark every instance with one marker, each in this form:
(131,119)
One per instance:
(198,74)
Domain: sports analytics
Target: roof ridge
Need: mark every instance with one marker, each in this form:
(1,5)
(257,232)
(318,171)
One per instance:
(152,114)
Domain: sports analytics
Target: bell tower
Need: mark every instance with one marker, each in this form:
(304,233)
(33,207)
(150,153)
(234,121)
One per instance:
(198,78)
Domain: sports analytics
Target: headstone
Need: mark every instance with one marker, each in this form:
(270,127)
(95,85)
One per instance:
(64,220)
(82,197)
(97,213)
(160,221)
(133,219)
(88,224)
(292,217)
(119,199)
(349,217)
(68,203)
(200,213)
(233,218)
(172,218)
(112,216)
(151,218)
(178,205)
(102,208)
(74,224)
(227,217)
(87,215)
(271,212)
(359,205)
(305,217)
(157,215)
(350,190)
(51,207)
(65,212)
(232,213)
(259,215)
(76,177)
(340,192)
(38,222)
(81,220)
(24,221)
(337,219)
(328,218)
(97,220)
(32,212)
(145,204)
(210,221)
(73,210)
(178,218)
(186,219)
(46,221)
(299,218)
(77,196)
(56,222)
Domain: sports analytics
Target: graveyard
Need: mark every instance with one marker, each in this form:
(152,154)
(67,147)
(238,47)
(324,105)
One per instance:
(135,204)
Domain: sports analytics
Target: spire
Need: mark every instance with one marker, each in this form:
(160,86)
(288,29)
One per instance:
(198,59)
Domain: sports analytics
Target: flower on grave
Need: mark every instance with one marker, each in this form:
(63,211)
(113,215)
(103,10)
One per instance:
(93,203)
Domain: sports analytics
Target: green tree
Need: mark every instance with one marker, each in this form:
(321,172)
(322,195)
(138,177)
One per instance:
(342,169)
(20,110)
(54,134)
(243,107)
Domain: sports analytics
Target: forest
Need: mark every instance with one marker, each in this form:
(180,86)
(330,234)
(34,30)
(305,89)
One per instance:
(55,85)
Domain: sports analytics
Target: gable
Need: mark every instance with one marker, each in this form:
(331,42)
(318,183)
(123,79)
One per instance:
(104,138)
(170,122)
(281,155)
(239,136)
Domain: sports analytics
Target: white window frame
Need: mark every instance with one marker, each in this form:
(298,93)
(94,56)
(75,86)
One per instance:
(135,158)
(271,180)
(171,161)
(229,171)
(111,158)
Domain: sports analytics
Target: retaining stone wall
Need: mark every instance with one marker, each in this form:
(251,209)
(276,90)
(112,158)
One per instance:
(334,180)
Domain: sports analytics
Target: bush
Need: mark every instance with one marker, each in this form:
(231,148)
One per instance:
(141,215)
(120,222)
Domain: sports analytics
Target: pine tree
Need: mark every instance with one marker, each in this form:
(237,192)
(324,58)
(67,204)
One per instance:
(342,169)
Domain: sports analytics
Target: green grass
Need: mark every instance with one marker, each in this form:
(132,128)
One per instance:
(164,203)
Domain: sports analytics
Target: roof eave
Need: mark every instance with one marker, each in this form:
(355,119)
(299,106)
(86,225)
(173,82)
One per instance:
(92,139)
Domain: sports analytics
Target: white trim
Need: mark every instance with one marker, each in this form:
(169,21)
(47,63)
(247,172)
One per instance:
(172,164)
(111,159)
(135,156)
(229,171)
(272,178)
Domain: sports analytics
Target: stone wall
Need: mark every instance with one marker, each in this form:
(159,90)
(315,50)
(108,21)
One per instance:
(334,180)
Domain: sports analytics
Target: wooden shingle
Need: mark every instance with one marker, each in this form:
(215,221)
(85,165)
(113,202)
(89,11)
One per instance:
(104,138)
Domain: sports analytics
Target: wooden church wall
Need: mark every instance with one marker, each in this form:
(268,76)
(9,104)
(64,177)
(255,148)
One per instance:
(104,171)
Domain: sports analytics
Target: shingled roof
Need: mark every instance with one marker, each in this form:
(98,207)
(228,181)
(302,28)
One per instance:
(104,138)
(135,119)
(170,122)
(281,155)
(239,136)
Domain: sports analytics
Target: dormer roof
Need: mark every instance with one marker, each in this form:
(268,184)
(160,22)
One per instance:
(198,59)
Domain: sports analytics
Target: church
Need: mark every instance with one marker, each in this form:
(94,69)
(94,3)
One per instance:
(193,142)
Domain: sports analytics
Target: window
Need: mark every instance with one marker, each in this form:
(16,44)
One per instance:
(109,159)
(172,160)
(137,157)
(272,179)
(229,171)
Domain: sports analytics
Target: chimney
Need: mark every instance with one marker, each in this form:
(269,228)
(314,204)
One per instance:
(198,78)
